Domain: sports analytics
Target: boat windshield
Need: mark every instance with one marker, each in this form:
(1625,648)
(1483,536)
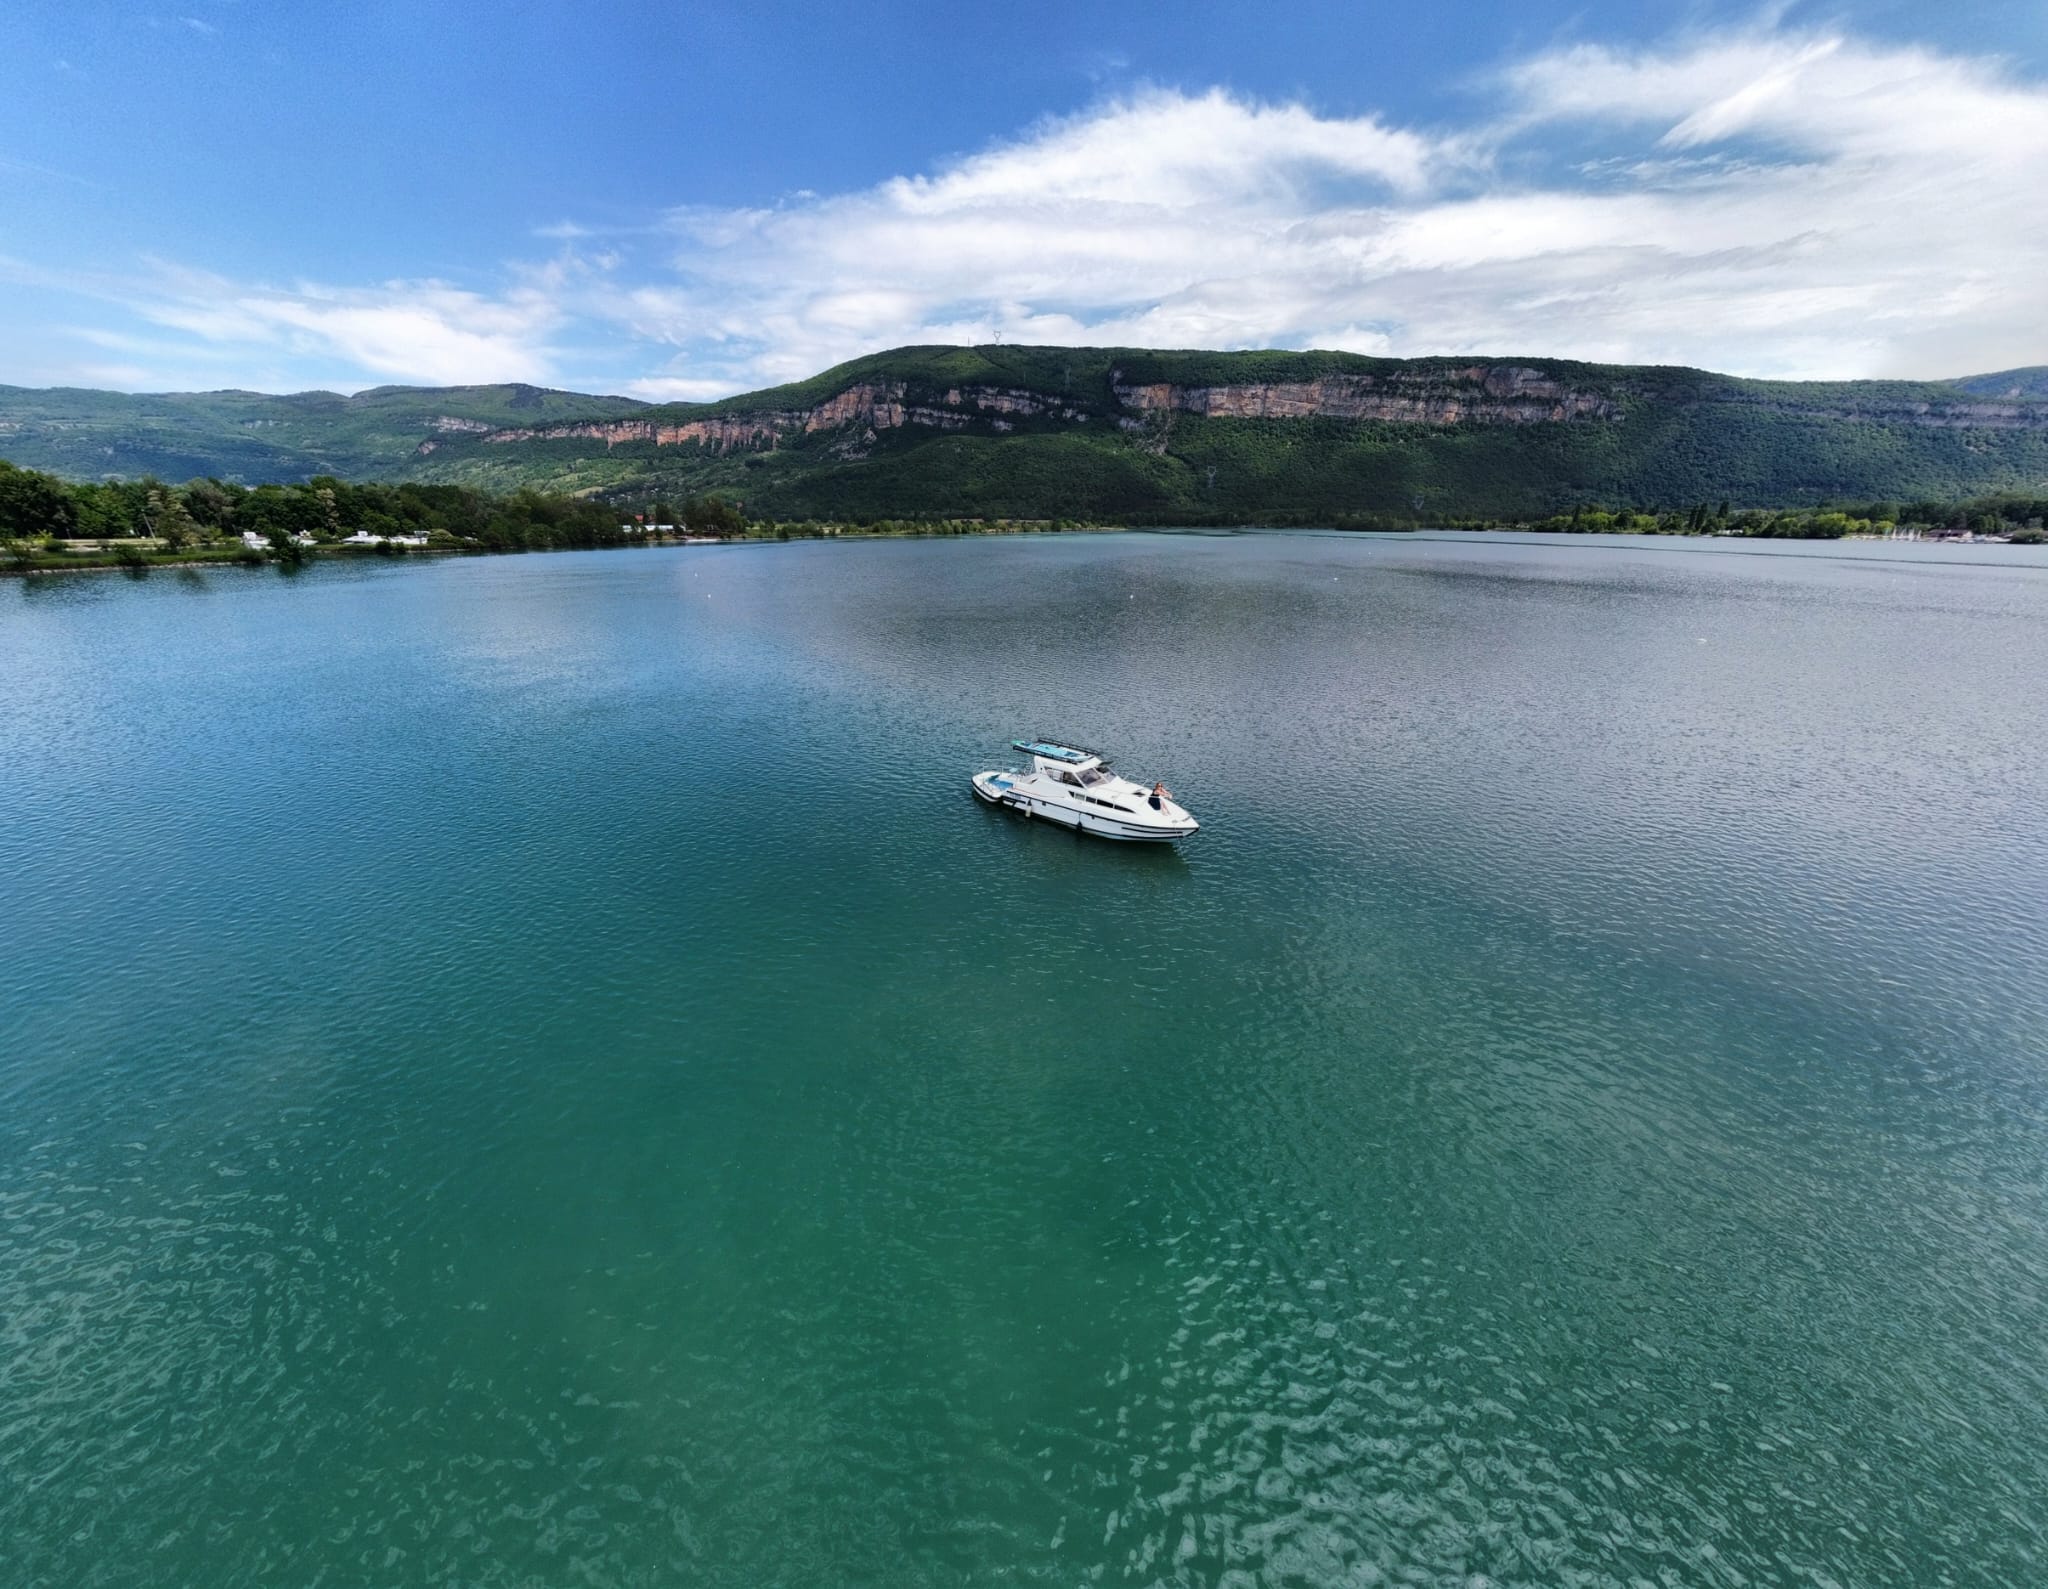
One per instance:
(1091,776)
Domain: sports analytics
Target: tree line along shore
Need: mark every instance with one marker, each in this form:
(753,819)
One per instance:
(48,523)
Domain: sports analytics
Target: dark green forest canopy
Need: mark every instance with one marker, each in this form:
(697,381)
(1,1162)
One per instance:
(36,507)
(49,522)
(1082,439)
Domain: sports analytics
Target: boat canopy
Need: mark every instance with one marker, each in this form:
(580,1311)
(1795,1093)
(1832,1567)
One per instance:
(1065,753)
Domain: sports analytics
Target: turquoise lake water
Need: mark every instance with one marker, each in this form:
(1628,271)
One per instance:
(536,1071)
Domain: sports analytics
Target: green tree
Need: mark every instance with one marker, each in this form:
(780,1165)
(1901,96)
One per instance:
(333,507)
(34,505)
(712,516)
(107,511)
(168,519)
(330,513)
(211,504)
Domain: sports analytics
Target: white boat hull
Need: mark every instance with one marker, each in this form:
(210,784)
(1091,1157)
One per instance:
(1037,797)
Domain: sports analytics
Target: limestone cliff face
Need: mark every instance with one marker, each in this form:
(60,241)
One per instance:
(1496,393)
(1438,394)
(1499,393)
(869,405)
(876,405)
(721,435)
(1009,400)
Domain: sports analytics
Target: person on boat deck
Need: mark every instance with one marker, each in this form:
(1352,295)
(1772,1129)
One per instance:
(1160,792)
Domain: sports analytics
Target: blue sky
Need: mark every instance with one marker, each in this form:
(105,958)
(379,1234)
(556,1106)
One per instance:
(690,199)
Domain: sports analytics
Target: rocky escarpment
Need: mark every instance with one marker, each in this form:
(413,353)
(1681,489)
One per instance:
(1496,393)
(1487,393)
(867,404)
(871,405)
(1431,394)
(722,434)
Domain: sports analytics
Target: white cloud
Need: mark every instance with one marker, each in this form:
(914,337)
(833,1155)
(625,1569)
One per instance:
(1168,150)
(675,389)
(412,331)
(1764,202)
(1768,203)
(416,330)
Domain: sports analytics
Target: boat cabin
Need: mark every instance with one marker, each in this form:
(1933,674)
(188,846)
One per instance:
(1079,769)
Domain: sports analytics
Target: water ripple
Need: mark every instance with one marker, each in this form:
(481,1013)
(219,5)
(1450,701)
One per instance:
(500,1083)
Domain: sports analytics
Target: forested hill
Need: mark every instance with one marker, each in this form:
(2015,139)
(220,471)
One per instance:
(1064,432)
(2030,383)
(253,437)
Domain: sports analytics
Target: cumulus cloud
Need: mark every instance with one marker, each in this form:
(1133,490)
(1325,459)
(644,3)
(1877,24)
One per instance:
(675,389)
(420,331)
(423,331)
(1763,202)
(1162,218)
(1768,203)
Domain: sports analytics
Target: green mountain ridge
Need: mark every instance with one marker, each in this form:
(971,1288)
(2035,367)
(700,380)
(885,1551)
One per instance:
(250,437)
(2031,382)
(1127,432)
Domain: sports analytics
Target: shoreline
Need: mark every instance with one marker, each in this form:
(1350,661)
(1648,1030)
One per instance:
(100,562)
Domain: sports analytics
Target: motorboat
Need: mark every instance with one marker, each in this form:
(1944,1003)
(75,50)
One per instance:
(1076,789)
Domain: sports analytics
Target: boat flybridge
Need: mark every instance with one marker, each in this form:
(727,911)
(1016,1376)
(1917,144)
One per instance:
(1076,789)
